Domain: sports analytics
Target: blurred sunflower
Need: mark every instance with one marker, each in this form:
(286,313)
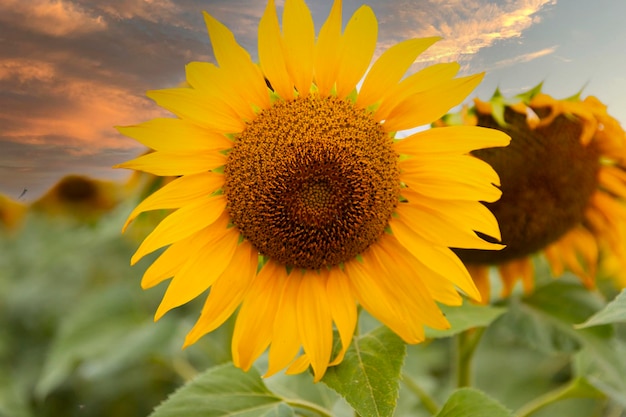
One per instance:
(11,213)
(79,197)
(295,201)
(563,186)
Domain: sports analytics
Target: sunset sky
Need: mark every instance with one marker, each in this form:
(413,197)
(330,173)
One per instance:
(70,70)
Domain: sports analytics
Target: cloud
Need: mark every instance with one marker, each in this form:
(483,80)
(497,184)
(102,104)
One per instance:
(466,26)
(522,58)
(45,104)
(50,17)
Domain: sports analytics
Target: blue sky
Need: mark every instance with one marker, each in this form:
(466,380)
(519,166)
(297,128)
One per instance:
(70,70)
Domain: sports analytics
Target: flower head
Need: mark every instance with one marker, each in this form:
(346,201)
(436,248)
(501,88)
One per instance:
(79,197)
(295,201)
(563,185)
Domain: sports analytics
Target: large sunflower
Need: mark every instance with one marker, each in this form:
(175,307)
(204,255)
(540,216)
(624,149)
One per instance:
(563,186)
(294,200)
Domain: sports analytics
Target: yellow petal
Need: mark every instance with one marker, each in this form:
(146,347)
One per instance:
(389,69)
(218,82)
(467,215)
(514,270)
(343,308)
(430,105)
(327,51)
(227,292)
(178,193)
(409,286)
(285,341)
(175,135)
(245,77)
(182,223)
(175,163)
(201,270)
(171,260)
(272,54)
(357,48)
(299,40)
(204,110)
(255,321)
(613,179)
(461,177)
(437,228)
(381,301)
(299,365)
(443,264)
(315,322)
(452,139)
(480,276)
(423,80)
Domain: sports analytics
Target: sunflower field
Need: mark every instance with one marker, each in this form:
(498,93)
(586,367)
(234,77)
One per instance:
(320,234)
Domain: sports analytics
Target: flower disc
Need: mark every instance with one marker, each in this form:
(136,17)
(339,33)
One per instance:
(312,182)
(548,177)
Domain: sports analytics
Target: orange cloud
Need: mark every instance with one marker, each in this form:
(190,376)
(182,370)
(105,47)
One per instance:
(465,26)
(50,17)
(77,112)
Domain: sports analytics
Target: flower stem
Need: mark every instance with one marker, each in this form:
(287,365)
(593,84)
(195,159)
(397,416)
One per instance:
(427,401)
(466,343)
(306,405)
(548,398)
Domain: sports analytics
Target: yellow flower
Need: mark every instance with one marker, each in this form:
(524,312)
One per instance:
(11,213)
(307,176)
(80,198)
(563,186)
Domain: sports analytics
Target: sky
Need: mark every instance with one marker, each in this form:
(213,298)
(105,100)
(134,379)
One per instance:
(71,70)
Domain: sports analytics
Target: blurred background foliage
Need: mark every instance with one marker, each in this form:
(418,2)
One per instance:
(77,336)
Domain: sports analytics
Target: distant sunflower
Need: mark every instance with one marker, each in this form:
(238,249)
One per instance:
(79,197)
(295,201)
(11,213)
(563,186)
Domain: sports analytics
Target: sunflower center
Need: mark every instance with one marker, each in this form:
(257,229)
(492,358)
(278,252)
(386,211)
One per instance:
(547,179)
(312,182)
(76,189)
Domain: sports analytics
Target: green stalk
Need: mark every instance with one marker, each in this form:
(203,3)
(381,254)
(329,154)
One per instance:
(466,343)
(575,388)
(427,401)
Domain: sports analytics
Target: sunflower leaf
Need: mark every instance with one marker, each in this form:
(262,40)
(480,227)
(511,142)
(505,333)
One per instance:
(224,391)
(546,321)
(465,317)
(469,402)
(613,312)
(368,377)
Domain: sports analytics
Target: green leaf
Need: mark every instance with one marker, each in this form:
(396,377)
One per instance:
(283,410)
(576,388)
(302,387)
(469,402)
(613,312)
(605,375)
(368,377)
(102,333)
(545,319)
(224,391)
(465,317)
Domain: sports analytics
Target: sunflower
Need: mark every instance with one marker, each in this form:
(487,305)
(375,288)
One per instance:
(11,213)
(80,197)
(295,201)
(563,186)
